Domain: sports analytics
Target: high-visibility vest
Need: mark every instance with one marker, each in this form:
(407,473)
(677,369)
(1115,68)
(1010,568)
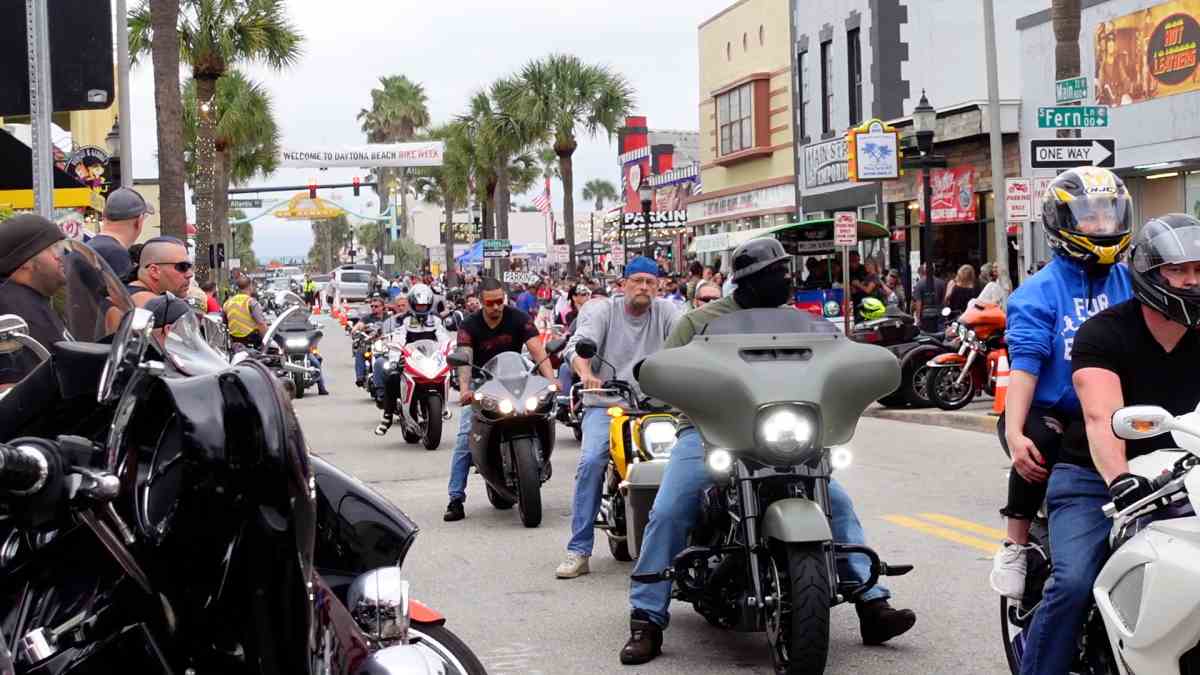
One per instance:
(310,286)
(238,317)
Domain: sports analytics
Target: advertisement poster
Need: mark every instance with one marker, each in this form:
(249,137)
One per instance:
(631,179)
(953,195)
(673,197)
(1148,54)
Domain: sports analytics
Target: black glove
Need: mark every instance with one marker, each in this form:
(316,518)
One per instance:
(1127,489)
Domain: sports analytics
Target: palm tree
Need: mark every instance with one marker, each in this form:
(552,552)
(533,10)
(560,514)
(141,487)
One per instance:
(448,184)
(214,35)
(152,28)
(398,110)
(600,191)
(560,96)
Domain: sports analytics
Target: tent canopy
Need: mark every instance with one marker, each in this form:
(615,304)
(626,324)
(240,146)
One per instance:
(812,236)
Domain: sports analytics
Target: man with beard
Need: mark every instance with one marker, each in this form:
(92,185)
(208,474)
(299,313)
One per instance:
(162,267)
(760,270)
(626,330)
(31,271)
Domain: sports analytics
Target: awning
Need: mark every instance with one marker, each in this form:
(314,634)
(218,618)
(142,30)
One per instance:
(16,180)
(724,241)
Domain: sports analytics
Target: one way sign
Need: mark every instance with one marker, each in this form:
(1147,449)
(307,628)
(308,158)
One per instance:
(1067,153)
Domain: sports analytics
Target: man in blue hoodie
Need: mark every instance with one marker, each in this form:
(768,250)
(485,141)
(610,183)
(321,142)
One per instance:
(1087,217)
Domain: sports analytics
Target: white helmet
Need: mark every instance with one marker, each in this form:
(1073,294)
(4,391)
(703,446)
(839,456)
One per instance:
(420,300)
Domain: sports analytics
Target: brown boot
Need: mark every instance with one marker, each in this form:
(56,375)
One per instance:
(645,641)
(879,622)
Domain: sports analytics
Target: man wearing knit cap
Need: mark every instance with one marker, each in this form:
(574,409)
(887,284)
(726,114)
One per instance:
(626,329)
(31,270)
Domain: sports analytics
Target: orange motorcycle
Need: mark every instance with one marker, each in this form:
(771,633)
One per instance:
(956,377)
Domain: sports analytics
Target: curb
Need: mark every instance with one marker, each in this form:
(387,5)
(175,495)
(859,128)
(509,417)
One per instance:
(966,421)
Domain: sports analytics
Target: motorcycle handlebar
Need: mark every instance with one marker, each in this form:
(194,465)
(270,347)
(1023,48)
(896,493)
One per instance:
(23,470)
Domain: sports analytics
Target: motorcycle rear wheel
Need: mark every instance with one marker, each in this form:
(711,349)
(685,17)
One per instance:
(947,395)
(432,407)
(802,640)
(298,381)
(914,382)
(529,481)
(453,652)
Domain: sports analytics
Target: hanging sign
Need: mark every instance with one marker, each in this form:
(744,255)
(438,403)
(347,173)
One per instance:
(1018,199)
(873,152)
(427,153)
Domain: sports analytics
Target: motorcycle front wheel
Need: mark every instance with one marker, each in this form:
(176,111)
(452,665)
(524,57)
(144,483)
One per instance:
(946,392)
(432,407)
(799,630)
(529,481)
(298,380)
(454,654)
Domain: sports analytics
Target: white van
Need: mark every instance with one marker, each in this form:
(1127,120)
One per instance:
(350,284)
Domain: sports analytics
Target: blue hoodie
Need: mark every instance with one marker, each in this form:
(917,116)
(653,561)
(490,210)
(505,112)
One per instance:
(1044,314)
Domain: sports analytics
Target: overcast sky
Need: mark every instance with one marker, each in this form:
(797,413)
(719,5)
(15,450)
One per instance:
(453,48)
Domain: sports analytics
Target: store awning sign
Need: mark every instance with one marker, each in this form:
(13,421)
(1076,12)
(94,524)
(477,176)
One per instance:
(873,152)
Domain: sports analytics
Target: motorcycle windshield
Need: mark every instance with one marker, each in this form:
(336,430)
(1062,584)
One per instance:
(767,322)
(189,350)
(510,369)
(426,348)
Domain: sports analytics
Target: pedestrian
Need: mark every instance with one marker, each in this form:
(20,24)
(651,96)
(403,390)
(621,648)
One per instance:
(211,304)
(31,272)
(695,276)
(894,291)
(998,286)
(961,290)
(927,299)
(706,292)
(124,215)
(719,280)
(247,323)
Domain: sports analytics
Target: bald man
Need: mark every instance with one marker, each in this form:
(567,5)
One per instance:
(163,267)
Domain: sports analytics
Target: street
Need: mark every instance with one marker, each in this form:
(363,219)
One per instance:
(926,496)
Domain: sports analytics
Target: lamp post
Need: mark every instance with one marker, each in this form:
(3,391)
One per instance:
(112,143)
(924,124)
(646,195)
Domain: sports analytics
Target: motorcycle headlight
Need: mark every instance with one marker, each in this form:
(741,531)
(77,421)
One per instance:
(970,335)
(787,431)
(505,407)
(532,403)
(658,437)
(296,343)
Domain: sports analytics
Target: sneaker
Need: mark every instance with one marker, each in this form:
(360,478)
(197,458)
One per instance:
(1008,570)
(879,622)
(575,565)
(385,423)
(454,511)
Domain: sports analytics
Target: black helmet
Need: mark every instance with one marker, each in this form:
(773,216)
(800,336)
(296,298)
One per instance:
(1088,215)
(755,256)
(1172,239)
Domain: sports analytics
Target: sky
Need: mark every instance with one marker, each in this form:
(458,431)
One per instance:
(454,48)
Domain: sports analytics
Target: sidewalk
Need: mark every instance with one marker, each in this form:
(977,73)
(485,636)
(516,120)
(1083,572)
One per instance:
(974,417)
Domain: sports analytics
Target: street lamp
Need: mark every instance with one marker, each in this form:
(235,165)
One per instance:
(647,196)
(924,123)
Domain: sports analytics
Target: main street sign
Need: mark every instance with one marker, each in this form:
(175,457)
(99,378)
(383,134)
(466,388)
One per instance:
(1071,90)
(496,248)
(1072,117)
(1068,153)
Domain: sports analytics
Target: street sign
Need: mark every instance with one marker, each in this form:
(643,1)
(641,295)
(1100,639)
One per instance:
(389,259)
(1071,90)
(562,253)
(1072,117)
(496,248)
(1068,153)
(526,278)
(245,203)
(618,254)
(873,152)
(235,263)
(1018,202)
(845,228)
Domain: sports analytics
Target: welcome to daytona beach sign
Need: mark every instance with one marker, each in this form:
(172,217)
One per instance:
(377,154)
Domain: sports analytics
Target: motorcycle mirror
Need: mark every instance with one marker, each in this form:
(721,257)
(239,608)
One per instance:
(11,326)
(1141,421)
(458,359)
(586,347)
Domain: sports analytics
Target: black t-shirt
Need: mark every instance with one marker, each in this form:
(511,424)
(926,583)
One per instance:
(1118,340)
(513,331)
(113,252)
(45,326)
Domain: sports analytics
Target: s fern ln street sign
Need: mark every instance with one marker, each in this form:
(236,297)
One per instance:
(1068,153)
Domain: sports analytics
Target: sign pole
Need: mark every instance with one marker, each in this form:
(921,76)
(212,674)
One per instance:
(846,290)
(126,151)
(41,105)
(999,221)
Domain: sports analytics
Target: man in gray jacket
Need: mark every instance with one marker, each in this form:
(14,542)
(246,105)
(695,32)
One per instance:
(626,330)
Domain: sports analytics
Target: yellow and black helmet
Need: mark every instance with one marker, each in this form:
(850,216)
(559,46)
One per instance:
(1088,215)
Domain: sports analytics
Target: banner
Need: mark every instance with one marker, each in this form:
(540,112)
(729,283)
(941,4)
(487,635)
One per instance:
(1148,54)
(394,154)
(953,195)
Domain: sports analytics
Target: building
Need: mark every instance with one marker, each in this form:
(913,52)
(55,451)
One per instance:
(1140,59)
(746,155)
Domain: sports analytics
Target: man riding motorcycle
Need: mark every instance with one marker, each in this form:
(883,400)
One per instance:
(626,330)
(760,270)
(370,321)
(419,323)
(1140,352)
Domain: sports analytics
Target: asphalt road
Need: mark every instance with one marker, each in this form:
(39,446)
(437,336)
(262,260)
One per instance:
(926,496)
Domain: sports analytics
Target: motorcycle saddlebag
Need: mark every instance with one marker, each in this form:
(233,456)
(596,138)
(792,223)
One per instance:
(644,479)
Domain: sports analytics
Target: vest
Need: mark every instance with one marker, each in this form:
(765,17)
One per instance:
(310,286)
(237,315)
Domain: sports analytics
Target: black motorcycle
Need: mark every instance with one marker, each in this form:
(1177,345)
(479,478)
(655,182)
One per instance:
(295,336)
(512,430)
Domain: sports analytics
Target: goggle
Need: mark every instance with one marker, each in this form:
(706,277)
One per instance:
(499,302)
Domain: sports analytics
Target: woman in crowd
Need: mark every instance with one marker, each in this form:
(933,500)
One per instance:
(961,290)
(998,287)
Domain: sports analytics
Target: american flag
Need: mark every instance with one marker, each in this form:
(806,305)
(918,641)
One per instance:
(542,201)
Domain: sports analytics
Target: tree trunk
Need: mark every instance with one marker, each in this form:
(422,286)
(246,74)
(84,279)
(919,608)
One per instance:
(501,198)
(448,240)
(221,227)
(168,104)
(205,187)
(1065,18)
(566,170)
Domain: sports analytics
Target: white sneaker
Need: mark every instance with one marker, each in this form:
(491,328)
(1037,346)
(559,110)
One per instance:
(1008,570)
(575,565)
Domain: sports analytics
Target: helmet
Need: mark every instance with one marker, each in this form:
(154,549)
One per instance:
(832,308)
(1167,240)
(871,308)
(755,256)
(1087,214)
(420,300)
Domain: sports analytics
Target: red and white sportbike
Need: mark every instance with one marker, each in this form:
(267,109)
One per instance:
(420,370)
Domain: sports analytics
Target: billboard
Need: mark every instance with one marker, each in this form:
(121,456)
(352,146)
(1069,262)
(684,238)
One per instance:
(1148,54)
(953,195)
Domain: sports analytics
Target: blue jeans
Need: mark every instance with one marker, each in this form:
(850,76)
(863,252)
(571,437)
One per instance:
(315,362)
(589,478)
(360,367)
(460,460)
(1079,546)
(377,375)
(565,377)
(678,505)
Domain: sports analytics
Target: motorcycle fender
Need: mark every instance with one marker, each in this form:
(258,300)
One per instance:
(795,520)
(419,612)
(616,443)
(643,481)
(947,360)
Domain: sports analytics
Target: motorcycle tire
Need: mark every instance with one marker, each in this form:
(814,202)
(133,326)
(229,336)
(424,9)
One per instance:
(498,502)
(619,549)
(433,422)
(805,625)
(937,383)
(529,481)
(298,380)
(455,655)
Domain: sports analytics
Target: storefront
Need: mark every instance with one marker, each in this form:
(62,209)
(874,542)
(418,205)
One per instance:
(736,211)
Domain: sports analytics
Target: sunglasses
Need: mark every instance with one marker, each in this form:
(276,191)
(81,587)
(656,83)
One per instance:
(493,303)
(183,266)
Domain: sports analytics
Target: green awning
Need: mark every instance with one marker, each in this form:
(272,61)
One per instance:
(820,230)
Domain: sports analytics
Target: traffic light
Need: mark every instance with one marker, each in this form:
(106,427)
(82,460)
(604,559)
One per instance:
(212,256)
(312,189)
(356,186)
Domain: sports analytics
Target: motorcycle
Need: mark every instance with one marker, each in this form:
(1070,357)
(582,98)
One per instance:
(1146,593)
(776,395)
(423,375)
(512,430)
(956,377)
(899,334)
(295,335)
(202,555)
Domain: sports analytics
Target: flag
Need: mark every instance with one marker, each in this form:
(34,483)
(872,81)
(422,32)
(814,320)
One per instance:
(542,201)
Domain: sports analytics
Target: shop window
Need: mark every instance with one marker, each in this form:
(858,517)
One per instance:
(802,87)
(826,87)
(735,119)
(854,70)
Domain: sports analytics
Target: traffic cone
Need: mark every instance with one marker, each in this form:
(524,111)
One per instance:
(1001,384)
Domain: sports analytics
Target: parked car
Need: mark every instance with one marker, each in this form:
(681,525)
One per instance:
(350,284)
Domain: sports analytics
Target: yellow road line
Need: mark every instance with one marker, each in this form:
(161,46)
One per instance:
(943,533)
(965,525)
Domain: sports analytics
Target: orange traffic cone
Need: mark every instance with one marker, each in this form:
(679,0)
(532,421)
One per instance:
(1001,384)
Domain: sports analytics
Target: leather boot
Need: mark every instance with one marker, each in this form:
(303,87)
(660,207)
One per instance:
(879,622)
(645,641)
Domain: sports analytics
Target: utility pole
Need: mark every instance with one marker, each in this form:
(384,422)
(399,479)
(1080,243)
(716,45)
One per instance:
(123,93)
(41,104)
(999,215)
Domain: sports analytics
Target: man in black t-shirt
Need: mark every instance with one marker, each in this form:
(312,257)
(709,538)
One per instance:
(497,328)
(31,272)
(1140,352)
(125,212)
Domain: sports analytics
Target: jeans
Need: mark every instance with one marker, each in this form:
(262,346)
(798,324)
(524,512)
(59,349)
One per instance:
(589,478)
(674,514)
(460,460)
(360,367)
(315,362)
(1079,546)
(565,378)
(377,375)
